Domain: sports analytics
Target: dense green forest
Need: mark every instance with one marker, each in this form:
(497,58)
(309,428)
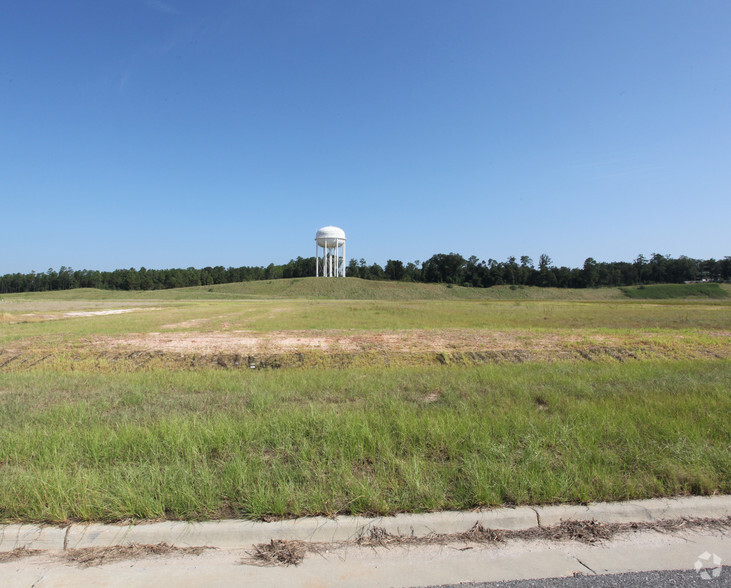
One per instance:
(449,268)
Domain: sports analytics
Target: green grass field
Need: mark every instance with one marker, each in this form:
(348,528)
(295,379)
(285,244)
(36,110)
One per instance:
(673,291)
(288,443)
(413,402)
(340,289)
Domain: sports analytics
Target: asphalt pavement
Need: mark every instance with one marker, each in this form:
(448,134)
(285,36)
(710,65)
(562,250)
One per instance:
(664,579)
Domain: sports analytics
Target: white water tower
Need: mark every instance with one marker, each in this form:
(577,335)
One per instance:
(332,261)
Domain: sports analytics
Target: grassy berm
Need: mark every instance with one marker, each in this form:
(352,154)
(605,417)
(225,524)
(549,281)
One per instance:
(84,437)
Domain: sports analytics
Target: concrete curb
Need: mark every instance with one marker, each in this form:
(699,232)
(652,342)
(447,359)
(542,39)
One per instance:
(231,534)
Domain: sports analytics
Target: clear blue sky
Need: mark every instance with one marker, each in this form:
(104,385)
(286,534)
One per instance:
(177,133)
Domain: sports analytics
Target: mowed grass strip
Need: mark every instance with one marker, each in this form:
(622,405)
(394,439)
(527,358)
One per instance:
(674,291)
(210,444)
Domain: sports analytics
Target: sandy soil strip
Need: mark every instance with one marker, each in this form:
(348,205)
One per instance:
(413,341)
(105,312)
(83,313)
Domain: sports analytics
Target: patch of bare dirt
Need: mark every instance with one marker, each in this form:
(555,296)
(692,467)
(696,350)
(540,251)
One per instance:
(187,324)
(36,317)
(240,349)
(103,312)
(446,346)
(456,340)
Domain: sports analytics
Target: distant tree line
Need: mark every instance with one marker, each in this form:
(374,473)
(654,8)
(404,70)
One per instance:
(447,268)
(452,268)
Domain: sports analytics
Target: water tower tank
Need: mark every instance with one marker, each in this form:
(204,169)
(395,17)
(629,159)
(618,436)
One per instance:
(330,237)
(332,261)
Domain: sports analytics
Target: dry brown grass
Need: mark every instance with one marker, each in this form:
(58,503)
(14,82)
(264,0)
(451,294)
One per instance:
(96,556)
(18,553)
(278,553)
(591,532)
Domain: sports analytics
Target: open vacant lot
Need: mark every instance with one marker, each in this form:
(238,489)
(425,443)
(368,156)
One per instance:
(152,405)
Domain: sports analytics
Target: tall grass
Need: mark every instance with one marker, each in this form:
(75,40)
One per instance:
(208,444)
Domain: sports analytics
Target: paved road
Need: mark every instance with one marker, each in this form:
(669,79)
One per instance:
(662,579)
